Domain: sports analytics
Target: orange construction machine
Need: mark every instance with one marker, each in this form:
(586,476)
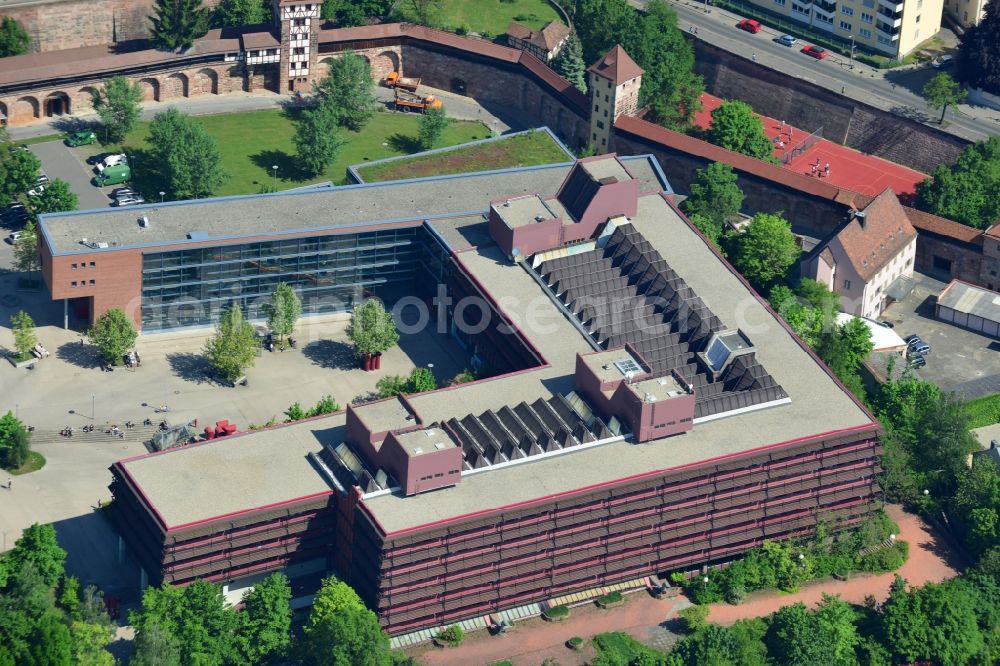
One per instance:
(394,80)
(407,101)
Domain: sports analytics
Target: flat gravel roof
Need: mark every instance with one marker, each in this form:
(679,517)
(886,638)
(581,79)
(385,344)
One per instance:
(818,405)
(228,219)
(270,467)
(237,473)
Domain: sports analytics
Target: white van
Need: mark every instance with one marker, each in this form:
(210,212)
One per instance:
(111,160)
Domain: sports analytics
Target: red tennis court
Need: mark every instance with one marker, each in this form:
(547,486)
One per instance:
(849,168)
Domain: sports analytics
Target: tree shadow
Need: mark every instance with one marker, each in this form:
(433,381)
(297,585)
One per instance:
(191,367)
(404,144)
(82,356)
(288,167)
(148,177)
(330,354)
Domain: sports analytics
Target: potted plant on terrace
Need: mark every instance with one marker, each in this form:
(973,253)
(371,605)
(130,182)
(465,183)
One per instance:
(373,332)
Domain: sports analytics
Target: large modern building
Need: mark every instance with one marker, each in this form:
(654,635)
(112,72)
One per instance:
(647,411)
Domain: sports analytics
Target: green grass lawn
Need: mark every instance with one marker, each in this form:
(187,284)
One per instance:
(36,461)
(492,16)
(251,143)
(521,150)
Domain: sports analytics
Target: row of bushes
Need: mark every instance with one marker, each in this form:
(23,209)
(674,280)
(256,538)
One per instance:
(325,405)
(785,565)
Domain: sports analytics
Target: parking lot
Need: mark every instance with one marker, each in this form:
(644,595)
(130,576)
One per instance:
(59,161)
(960,361)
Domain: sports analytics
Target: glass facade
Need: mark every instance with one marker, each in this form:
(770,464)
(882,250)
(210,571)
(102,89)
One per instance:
(191,287)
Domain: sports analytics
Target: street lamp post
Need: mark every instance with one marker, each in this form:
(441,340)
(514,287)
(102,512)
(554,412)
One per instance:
(274,177)
(92,413)
(162,193)
(852,52)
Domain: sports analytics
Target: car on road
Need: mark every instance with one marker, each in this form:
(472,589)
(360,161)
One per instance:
(787,40)
(128,200)
(817,52)
(81,138)
(750,26)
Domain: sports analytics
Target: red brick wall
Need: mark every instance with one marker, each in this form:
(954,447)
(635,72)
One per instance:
(68,24)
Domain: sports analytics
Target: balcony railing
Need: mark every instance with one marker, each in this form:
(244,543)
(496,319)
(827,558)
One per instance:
(886,29)
(891,5)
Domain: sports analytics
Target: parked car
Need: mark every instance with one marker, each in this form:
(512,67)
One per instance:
(113,175)
(787,40)
(916,360)
(81,138)
(99,157)
(750,25)
(943,61)
(915,344)
(817,52)
(121,191)
(128,200)
(110,161)
(37,189)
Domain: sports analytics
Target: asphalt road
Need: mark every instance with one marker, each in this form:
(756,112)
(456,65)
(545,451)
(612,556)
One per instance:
(58,161)
(896,90)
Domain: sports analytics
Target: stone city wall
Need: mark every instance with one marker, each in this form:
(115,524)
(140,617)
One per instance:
(68,24)
(810,107)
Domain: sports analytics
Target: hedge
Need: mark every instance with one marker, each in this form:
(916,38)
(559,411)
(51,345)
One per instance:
(609,599)
(556,612)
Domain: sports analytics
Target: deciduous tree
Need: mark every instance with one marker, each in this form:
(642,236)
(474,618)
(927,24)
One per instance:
(941,92)
(234,346)
(119,106)
(56,198)
(25,339)
(39,547)
(265,621)
(318,140)
(114,334)
(89,643)
(15,445)
(348,90)
(155,646)
(715,197)
(18,171)
(187,154)
(372,329)
(240,13)
(736,127)
(177,23)
(14,39)
(968,191)
(341,631)
(26,249)
(433,123)
(50,642)
(283,311)
(765,250)
(569,63)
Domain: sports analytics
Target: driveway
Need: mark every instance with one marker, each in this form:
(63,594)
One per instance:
(960,361)
(58,161)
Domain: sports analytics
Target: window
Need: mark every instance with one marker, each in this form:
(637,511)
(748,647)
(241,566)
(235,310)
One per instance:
(865,32)
(884,40)
(73,266)
(780,2)
(823,19)
(299,22)
(867,18)
(91,282)
(847,284)
(916,34)
(847,10)
(595,107)
(607,99)
(918,19)
(799,8)
(91,264)
(600,124)
(605,113)
(299,50)
(73,284)
(844,25)
(595,136)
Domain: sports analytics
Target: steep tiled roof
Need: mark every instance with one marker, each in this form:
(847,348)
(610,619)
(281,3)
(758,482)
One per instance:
(616,65)
(519,31)
(552,34)
(871,241)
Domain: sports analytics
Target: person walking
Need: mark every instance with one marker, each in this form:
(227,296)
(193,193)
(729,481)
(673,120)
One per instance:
(753,56)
